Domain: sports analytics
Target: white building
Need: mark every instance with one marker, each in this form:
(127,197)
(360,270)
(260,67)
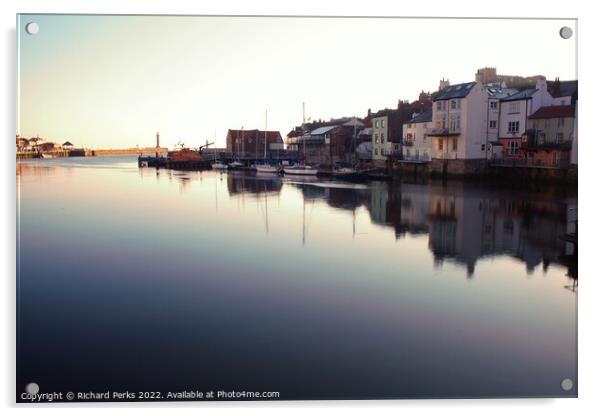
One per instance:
(495,93)
(459,124)
(416,141)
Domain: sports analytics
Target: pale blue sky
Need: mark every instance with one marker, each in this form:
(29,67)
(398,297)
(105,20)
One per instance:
(113,81)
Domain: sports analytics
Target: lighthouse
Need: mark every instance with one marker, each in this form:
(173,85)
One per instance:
(157,147)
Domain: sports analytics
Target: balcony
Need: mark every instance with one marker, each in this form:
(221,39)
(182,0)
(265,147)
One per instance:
(442,132)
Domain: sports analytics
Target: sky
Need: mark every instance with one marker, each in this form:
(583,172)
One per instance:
(114,81)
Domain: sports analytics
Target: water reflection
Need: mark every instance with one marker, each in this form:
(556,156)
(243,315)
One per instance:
(312,287)
(464,223)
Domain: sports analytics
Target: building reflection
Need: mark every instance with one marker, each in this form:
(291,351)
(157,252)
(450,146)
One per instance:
(463,222)
(256,185)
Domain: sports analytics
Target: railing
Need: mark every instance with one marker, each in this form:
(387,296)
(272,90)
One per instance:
(417,158)
(534,163)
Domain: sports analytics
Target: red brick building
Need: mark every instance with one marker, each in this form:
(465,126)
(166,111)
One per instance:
(250,143)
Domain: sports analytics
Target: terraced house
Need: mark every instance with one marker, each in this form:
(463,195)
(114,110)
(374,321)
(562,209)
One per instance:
(459,133)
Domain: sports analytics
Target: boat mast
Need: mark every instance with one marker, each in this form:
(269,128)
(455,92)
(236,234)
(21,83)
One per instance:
(265,137)
(302,130)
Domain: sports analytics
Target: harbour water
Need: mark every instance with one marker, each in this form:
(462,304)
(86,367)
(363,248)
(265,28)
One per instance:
(155,280)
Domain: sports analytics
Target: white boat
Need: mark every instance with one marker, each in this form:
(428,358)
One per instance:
(219,166)
(47,156)
(264,168)
(300,170)
(345,171)
(236,165)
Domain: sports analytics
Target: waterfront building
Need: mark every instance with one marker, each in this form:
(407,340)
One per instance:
(549,136)
(250,143)
(513,115)
(327,142)
(495,93)
(458,131)
(387,128)
(416,142)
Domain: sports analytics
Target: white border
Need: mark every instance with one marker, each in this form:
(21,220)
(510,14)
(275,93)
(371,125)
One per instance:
(589,158)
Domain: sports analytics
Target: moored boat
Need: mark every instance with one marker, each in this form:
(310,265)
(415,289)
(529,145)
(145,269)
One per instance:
(219,166)
(300,170)
(47,156)
(236,165)
(266,168)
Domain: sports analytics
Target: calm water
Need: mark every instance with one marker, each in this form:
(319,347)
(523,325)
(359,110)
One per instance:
(137,279)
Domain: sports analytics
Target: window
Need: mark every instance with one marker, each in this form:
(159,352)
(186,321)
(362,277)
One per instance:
(542,138)
(513,148)
(375,152)
(493,105)
(455,144)
(438,105)
(440,144)
(559,137)
(382,151)
(560,122)
(515,107)
(443,121)
(376,138)
(382,123)
(492,124)
(382,137)
(454,104)
(513,126)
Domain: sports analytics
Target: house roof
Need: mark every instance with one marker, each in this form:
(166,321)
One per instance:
(67,144)
(322,130)
(521,95)
(422,118)
(273,136)
(500,92)
(454,91)
(562,88)
(554,111)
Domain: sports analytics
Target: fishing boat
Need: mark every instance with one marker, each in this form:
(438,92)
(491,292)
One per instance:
(47,156)
(300,170)
(266,167)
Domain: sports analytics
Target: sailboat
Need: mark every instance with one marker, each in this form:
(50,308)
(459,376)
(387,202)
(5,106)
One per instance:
(301,169)
(237,164)
(217,164)
(266,167)
(347,169)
